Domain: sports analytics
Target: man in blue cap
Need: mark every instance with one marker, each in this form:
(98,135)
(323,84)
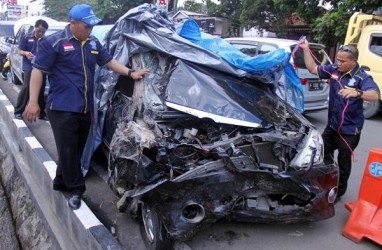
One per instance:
(70,57)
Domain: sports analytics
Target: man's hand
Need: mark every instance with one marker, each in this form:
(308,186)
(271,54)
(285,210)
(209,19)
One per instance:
(138,75)
(29,55)
(348,93)
(32,112)
(304,44)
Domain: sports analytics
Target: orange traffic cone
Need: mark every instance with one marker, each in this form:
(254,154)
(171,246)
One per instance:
(366,213)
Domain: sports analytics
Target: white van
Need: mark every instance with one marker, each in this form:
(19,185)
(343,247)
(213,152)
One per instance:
(316,91)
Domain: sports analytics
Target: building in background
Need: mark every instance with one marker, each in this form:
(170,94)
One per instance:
(17,9)
(216,26)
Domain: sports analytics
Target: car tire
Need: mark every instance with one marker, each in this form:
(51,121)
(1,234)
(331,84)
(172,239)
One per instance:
(153,231)
(371,108)
(15,79)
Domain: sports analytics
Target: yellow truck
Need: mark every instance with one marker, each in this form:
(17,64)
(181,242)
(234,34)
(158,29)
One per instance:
(365,31)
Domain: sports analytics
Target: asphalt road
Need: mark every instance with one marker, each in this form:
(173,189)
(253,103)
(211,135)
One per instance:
(231,235)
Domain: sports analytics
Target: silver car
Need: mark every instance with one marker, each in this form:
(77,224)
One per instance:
(16,58)
(316,91)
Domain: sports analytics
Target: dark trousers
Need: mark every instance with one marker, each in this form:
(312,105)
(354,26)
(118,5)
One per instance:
(70,132)
(23,97)
(332,142)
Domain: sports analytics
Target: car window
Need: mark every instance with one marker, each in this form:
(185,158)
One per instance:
(248,49)
(376,44)
(25,29)
(318,53)
(254,49)
(265,48)
(6,30)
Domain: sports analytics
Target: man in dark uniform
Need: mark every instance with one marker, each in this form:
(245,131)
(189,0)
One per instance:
(28,47)
(70,58)
(349,87)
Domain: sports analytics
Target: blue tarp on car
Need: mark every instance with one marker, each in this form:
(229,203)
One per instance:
(272,66)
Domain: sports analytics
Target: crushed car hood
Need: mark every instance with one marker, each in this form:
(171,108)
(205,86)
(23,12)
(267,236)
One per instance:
(228,101)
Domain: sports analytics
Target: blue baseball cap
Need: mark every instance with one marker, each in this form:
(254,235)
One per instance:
(84,13)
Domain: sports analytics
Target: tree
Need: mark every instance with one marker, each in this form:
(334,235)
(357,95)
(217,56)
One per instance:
(108,10)
(58,10)
(228,9)
(192,5)
(331,28)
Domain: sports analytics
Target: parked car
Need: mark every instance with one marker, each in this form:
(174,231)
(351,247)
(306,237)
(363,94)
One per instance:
(316,91)
(16,59)
(6,35)
(194,141)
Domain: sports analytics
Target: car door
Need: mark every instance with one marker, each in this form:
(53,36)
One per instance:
(15,58)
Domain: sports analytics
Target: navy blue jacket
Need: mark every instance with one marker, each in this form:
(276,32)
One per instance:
(70,65)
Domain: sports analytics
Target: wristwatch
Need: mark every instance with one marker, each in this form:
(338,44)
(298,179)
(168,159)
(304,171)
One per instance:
(359,93)
(130,72)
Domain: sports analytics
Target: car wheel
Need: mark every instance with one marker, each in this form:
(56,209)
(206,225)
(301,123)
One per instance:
(153,230)
(370,108)
(15,79)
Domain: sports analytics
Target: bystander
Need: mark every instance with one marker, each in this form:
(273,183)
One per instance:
(350,85)
(28,47)
(70,57)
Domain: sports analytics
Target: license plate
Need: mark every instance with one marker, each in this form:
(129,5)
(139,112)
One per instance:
(315,85)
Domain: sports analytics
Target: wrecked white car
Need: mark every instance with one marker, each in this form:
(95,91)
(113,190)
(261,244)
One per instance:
(198,140)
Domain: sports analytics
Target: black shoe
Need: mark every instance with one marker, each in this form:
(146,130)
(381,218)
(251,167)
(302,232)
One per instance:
(59,187)
(19,116)
(74,201)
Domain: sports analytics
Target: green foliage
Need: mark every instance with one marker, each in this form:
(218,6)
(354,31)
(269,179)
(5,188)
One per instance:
(331,28)
(258,13)
(58,10)
(328,28)
(192,5)
(108,10)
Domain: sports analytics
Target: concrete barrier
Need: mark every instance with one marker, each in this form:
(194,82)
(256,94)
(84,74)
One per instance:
(68,229)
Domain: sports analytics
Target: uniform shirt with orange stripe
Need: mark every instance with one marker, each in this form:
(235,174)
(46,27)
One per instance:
(70,65)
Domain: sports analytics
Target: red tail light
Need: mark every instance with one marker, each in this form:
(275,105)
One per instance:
(303,81)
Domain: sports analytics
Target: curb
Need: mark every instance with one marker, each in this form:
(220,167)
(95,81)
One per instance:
(68,229)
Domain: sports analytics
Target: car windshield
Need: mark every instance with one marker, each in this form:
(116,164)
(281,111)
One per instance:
(52,30)
(100,31)
(6,30)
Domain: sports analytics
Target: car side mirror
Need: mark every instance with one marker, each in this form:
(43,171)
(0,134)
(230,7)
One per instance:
(10,39)
(365,68)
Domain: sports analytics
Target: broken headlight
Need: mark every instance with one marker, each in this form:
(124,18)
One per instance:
(312,149)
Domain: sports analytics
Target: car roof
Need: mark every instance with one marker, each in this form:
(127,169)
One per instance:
(31,20)
(282,43)
(100,31)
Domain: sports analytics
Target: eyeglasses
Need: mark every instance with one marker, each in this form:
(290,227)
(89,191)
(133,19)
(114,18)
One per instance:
(348,49)
(344,48)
